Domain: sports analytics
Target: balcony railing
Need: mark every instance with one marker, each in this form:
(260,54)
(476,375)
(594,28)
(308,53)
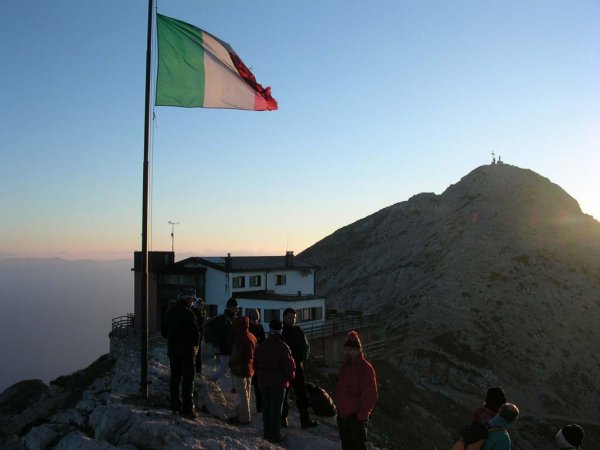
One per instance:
(122,323)
(338,325)
(375,349)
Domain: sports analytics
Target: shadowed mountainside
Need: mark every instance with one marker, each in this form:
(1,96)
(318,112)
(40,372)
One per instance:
(495,281)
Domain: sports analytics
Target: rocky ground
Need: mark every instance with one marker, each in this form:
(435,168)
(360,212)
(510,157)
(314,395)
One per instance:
(98,408)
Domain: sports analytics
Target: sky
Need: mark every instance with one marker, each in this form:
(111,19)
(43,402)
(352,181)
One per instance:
(378,101)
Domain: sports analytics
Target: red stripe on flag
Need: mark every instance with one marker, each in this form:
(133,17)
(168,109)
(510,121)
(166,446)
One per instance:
(262,100)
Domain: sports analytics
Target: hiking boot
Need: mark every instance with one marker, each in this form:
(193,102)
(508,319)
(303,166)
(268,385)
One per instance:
(306,421)
(189,415)
(284,422)
(309,423)
(278,439)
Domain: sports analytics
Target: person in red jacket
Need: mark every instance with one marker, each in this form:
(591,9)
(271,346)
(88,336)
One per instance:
(240,363)
(356,395)
(275,367)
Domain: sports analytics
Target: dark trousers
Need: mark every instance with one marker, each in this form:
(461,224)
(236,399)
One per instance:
(299,385)
(182,373)
(257,393)
(272,399)
(353,433)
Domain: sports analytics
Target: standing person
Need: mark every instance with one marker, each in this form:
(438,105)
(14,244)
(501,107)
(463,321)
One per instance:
(224,337)
(258,331)
(200,313)
(494,399)
(296,340)
(183,337)
(356,395)
(498,437)
(241,365)
(274,365)
(569,437)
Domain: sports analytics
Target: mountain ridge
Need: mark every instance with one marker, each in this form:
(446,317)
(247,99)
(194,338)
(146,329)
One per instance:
(474,284)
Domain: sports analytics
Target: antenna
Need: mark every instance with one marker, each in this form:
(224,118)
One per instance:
(173,234)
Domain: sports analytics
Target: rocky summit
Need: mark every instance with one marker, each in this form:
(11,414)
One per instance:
(494,282)
(98,408)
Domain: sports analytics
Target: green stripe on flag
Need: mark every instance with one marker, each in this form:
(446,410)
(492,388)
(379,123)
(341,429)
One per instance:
(181,78)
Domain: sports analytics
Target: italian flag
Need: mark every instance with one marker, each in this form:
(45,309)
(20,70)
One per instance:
(198,70)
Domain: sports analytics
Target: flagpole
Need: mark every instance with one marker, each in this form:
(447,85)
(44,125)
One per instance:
(144,286)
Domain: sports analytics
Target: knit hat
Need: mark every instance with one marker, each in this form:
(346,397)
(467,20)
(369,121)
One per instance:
(232,302)
(495,398)
(254,314)
(186,294)
(570,435)
(275,326)
(352,340)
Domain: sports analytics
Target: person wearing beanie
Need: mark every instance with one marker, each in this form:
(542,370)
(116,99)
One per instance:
(498,437)
(181,330)
(569,437)
(296,340)
(494,399)
(224,337)
(356,395)
(275,368)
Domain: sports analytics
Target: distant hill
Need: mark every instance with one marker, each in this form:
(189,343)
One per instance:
(56,314)
(495,281)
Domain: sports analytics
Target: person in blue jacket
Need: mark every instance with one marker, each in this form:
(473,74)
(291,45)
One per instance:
(498,437)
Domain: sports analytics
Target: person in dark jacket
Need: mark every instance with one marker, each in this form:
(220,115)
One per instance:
(224,337)
(258,331)
(275,366)
(356,395)
(296,340)
(241,366)
(181,330)
(200,313)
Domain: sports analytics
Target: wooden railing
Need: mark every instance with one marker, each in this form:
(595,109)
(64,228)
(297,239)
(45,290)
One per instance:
(375,349)
(338,325)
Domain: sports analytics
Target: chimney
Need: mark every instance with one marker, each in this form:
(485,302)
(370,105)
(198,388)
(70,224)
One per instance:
(228,263)
(289,259)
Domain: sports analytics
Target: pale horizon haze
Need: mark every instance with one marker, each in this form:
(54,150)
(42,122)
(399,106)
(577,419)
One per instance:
(378,101)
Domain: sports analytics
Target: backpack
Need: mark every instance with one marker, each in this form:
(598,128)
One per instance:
(320,401)
(211,330)
(473,436)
